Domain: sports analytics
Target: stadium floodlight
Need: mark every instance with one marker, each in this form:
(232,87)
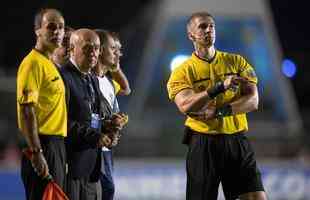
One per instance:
(289,68)
(177,61)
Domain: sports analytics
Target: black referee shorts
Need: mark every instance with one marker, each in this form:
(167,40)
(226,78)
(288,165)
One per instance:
(225,159)
(54,153)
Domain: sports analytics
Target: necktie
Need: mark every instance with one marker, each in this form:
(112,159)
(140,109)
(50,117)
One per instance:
(90,92)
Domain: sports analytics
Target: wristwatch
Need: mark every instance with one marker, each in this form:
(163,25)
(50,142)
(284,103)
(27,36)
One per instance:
(36,150)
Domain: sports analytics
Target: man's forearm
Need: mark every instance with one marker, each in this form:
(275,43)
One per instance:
(195,102)
(199,101)
(248,101)
(244,104)
(31,126)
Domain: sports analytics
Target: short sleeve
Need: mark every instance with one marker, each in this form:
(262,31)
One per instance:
(28,82)
(246,70)
(178,81)
(116,86)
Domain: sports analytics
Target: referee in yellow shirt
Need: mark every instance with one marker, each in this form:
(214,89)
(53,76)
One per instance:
(41,107)
(215,90)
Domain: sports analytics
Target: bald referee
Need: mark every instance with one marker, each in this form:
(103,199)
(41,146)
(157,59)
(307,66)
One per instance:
(215,90)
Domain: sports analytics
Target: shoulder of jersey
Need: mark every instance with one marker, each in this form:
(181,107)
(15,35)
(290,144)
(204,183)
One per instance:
(183,65)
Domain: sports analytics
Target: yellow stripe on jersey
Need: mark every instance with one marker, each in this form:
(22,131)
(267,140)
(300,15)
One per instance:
(39,83)
(199,75)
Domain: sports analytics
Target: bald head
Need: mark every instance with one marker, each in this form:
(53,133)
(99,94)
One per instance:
(81,35)
(85,45)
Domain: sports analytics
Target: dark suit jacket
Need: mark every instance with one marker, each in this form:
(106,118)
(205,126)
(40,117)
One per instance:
(82,152)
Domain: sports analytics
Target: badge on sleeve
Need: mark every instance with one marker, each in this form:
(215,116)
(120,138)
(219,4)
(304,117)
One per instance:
(251,73)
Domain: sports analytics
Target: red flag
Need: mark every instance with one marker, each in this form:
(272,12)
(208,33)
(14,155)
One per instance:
(53,192)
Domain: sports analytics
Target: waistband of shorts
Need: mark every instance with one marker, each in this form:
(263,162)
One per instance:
(214,135)
(195,136)
(51,137)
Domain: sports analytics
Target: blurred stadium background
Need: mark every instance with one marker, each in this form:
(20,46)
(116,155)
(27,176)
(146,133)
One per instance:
(149,162)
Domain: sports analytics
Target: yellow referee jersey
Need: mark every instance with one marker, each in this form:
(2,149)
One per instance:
(199,75)
(116,86)
(39,83)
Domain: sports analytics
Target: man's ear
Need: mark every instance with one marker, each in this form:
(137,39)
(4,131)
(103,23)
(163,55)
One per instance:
(190,36)
(38,32)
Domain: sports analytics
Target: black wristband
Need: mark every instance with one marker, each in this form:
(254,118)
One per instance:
(224,111)
(216,90)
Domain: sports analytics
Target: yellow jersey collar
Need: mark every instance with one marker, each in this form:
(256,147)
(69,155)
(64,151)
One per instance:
(198,59)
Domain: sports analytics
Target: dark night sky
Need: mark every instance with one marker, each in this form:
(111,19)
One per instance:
(16,25)
(17,21)
(293,31)
(292,25)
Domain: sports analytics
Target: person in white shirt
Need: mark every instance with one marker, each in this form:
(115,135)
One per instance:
(112,81)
